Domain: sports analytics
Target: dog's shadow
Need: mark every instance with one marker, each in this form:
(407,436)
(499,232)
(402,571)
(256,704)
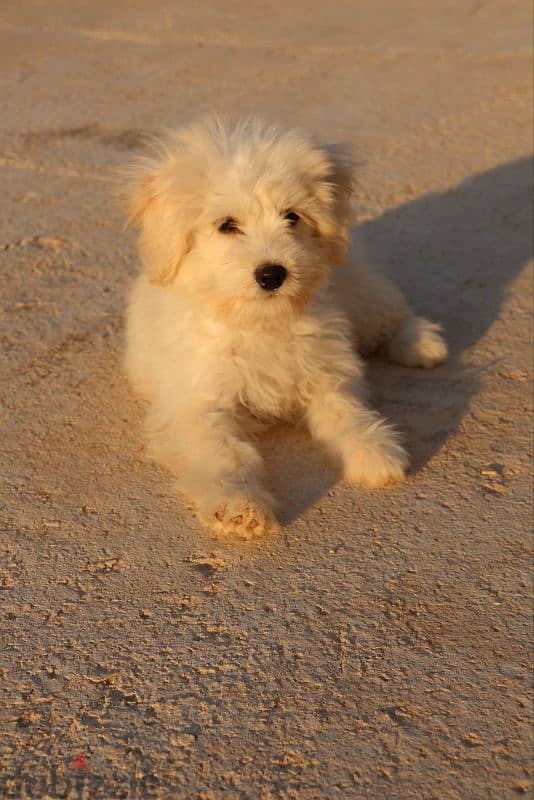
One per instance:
(454,254)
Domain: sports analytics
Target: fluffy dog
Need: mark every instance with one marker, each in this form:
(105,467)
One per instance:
(235,319)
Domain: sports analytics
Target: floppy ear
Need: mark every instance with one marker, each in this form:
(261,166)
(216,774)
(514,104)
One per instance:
(165,216)
(335,191)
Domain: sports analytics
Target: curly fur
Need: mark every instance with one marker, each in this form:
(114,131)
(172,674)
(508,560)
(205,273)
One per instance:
(210,349)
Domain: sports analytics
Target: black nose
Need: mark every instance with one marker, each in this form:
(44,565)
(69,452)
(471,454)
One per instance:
(271,276)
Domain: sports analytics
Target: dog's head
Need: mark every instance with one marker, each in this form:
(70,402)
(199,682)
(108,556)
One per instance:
(246,216)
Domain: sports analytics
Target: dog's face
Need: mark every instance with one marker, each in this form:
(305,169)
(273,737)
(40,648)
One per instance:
(248,218)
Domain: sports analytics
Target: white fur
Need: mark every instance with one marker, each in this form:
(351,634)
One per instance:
(211,350)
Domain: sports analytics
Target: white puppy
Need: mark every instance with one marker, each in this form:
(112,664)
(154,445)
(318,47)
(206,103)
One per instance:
(233,318)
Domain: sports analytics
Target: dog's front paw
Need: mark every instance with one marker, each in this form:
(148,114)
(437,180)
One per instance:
(376,460)
(242,517)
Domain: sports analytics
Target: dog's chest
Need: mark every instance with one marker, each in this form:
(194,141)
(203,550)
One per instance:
(268,375)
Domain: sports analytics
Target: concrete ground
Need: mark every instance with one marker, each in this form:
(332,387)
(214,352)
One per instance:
(378,647)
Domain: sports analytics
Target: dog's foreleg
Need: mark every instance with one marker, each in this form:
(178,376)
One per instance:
(369,448)
(218,468)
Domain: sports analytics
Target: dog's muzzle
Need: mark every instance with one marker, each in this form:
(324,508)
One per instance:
(270,276)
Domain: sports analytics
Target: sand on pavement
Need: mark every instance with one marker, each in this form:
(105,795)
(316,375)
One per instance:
(377,647)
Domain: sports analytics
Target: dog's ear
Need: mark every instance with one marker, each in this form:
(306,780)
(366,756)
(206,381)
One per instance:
(335,193)
(164,214)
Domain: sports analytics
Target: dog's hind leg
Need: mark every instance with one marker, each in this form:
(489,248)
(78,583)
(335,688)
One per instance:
(417,343)
(382,319)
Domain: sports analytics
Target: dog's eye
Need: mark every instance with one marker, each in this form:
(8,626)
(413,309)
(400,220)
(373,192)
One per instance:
(228,226)
(292,218)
